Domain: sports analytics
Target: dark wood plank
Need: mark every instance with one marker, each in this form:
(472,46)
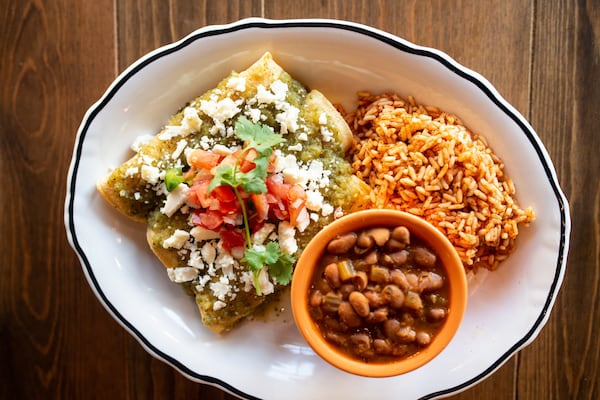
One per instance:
(51,72)
(146,25)
(565,110)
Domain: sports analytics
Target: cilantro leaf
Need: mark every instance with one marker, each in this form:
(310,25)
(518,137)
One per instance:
(254,259)
(282,267)
(252,184)
(258,136)
(224,175)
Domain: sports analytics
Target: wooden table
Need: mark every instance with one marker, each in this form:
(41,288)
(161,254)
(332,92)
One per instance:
(58,57)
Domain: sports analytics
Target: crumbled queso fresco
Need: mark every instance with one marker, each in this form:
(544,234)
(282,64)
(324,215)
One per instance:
(209,265)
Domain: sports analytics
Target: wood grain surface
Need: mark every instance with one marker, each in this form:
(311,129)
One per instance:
(57,58)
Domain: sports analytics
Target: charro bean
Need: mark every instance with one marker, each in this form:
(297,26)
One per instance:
(413,301)
(346,289)
(332,275)
(372,257)
(437,313)
(379,235)
(379,293)
(398,258)
(423,257)
(413,281)
(348,315)
(399,279)
(429,281)
(365,240)
(360,303)
(390,328)
(401,234)
(361,280)
(342,244)
(395,245)
(393,296)
(378,316)
(382,346)
(362,341)
(316,299)
(406,334)
(423,338)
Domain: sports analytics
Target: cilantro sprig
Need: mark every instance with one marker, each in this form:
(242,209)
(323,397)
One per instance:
(262,139)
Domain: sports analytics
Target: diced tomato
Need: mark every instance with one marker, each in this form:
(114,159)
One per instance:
(198,194)
(271,167)
(246,166)
(280,213)
(208,219)
(232,238)
(296,193)
(277,188)
(294,210)
(251,154)
(261,205)
(203,159)
(255,224)
(224,194)
(271,199)
(231,159)
(229,208)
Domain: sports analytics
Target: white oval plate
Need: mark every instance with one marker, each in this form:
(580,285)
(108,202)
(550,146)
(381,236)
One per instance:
(269,359)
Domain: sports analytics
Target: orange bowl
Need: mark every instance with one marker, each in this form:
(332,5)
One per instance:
(354,222)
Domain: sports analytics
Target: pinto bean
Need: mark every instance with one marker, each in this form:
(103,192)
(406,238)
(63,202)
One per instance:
(423,338)
(378,316)
(395,245)
(332,275)
(390,328)
(429,281)
(393,296)
(346,289)
(382,346)
(437,314)
(399,279)
(316,299)
(372,257)
(386,260)
(399,258)
(361,280)
(335,338)
(413,301)
(360,303)
(401,234)
(342,244)
(362,341)
(406,334)
(413,281)
(365,240)
(423,257)
(348,316)
(333,324)
(375,299)
(380,235)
